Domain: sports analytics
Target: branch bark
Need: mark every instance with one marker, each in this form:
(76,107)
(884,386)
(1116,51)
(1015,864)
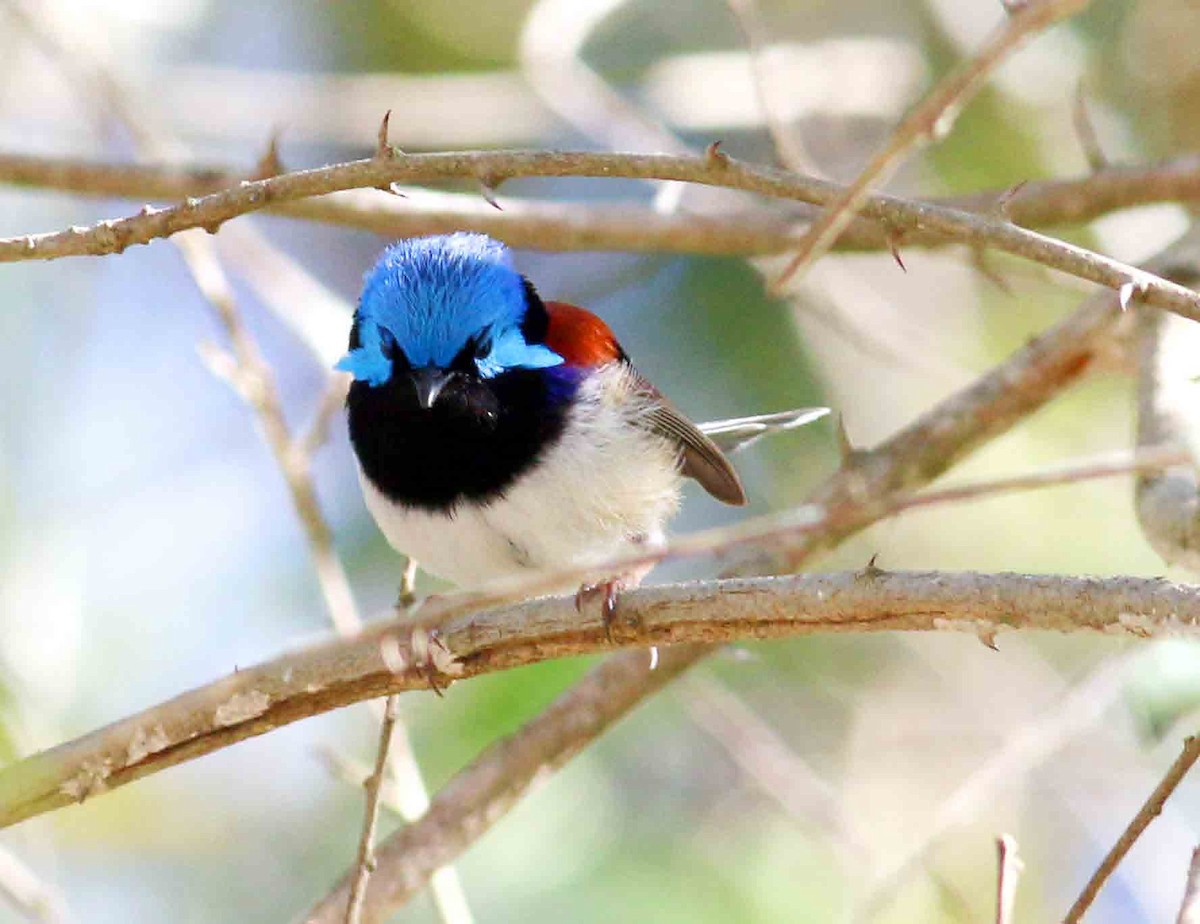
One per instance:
(389,657)
(545,225)
(493,167)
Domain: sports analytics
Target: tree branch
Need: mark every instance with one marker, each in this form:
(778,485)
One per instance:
(388,657)
(549,225)
(1146,814)
(928,120)
(493,167)
(365,863)
(1009,871)
(483,792)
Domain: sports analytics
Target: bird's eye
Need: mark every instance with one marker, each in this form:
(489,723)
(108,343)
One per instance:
(477,348)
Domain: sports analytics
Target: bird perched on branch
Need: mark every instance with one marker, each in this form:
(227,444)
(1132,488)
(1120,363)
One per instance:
(497,433)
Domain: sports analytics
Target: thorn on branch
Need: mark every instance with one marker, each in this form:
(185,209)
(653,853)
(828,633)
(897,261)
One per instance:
(870,571)
(715,157)
(1128,292)
(270,164)
(487,189)
(383,149)
(845,448)
(988,637)
(893,242)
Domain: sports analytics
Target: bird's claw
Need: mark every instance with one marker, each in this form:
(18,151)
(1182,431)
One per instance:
(432,658)
(611,591)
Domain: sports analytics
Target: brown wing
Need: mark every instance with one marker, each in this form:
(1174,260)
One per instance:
(701,459)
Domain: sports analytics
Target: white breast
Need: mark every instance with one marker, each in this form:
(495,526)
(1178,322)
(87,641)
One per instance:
(605,486)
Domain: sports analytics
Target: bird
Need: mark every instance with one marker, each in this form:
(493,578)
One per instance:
(498,434)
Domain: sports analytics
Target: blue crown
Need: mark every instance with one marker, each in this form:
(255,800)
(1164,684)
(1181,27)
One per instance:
(430,297)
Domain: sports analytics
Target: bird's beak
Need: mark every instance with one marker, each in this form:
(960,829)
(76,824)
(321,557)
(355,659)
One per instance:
(429,382)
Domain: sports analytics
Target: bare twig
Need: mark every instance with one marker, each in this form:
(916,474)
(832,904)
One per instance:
(990,406)
(373,785)
(1008,873)
(1146,814)
(551,54)
(1085,131)
(928,121)
(1189,908)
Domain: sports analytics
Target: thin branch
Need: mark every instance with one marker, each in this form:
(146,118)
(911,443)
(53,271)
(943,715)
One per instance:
(789,147)
(987,408)
(209,212)
(1008,873)
(1189,908)
(391,656)
(1146,814)
(546,225)
(30,896)
(931,119)
(373,785)
(482,793)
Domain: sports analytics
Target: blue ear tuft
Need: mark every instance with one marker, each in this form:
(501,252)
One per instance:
(510,351)
(367,362)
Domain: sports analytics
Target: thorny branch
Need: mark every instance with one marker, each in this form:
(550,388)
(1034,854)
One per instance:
(390,166)
(552,225)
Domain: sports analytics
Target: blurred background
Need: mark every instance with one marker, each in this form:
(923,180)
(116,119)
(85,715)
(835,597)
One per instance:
(147,543)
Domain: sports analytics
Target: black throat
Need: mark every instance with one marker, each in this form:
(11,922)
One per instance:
(479,437)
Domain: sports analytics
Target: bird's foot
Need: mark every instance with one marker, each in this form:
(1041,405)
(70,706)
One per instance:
(428,655)
(610,592)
